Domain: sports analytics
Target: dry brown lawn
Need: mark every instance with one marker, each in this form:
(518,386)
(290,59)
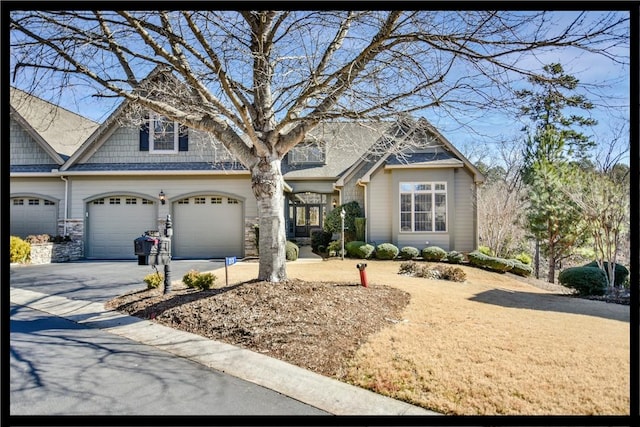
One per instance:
(491,345)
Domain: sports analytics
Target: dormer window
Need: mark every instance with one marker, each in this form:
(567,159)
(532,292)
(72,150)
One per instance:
(163,136)
(307,152)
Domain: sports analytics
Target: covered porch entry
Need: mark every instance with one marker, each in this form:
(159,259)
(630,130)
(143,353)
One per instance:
(306,212)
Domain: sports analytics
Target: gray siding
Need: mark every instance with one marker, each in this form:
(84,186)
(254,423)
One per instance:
(465,221)
(24,149)
(383,216)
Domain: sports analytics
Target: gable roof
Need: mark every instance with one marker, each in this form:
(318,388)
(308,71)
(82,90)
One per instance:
(450,157)
(58,131)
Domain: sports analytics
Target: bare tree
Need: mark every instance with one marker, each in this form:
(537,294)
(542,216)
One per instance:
(259,81)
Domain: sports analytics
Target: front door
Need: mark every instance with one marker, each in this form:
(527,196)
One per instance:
(307,218)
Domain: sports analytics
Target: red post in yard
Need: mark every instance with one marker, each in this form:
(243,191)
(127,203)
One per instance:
(363,274)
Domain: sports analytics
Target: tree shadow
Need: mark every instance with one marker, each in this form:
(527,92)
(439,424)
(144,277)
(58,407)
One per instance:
(553,302)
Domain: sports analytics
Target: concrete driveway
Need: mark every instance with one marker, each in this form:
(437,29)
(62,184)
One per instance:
(97,281)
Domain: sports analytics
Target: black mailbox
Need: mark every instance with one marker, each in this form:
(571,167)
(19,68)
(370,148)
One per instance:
(152,250)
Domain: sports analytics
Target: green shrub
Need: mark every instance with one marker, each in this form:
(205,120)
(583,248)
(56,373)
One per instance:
(490,263)
(524,258)
(291,251)
(359,249)
(195,279)
(409,252)
(320,238)
(485,250)
(19,250)
(455,257)
(434,253)
(153,280)
(621,272)
(333,222)
(521,269)
(409,268)
(386,251)
(585,280)
(334,248)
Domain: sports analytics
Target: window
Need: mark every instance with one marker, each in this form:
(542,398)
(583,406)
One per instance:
(147,202)
(114,200)
(200,200)
(131,201)
(183,202)
(98,202)
(307,152)
(216,200)
(34,202)
(49,203)
(231,201)
(163,135)
(423,206)
(18,202)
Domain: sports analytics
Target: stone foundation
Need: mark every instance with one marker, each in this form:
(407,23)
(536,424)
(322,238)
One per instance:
(47,253)
(250,244)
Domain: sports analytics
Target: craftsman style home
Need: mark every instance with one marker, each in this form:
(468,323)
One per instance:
(105,184)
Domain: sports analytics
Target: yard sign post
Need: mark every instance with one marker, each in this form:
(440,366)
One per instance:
(230,260)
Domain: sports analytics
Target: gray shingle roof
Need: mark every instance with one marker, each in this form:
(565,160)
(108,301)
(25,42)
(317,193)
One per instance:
(33,168)
(63,130)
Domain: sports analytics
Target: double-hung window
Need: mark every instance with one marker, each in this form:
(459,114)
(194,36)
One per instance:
(423,206)
(163,135)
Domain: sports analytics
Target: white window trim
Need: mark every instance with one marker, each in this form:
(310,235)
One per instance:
(297,158)
(433,192)
(176,136)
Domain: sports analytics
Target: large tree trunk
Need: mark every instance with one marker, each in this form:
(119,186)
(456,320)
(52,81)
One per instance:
(268,187)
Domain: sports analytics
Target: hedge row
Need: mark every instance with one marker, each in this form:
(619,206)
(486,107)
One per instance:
(500,265)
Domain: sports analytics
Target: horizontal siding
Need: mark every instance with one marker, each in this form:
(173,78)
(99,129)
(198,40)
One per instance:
(465,223)
(24,150)
(380,208)
(324,187)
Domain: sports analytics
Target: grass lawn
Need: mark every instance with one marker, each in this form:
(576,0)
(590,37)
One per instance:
(491,345)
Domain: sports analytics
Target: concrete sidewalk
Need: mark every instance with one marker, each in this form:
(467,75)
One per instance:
(313,389)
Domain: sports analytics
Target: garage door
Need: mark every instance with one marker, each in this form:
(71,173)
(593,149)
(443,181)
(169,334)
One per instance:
(32,216)
(114,222)
(208,227)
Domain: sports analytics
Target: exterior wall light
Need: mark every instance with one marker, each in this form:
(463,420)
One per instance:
(162,197)
(334,203)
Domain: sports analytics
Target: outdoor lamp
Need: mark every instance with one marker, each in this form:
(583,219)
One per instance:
(163,199)
(334,203)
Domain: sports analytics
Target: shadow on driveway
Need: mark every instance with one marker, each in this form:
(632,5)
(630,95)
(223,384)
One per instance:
(557,303)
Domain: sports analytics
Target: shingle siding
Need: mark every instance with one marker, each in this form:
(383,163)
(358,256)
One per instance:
(24,149)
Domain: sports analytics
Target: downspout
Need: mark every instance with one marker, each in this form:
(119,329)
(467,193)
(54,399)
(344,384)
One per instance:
(66,204)
(366,229)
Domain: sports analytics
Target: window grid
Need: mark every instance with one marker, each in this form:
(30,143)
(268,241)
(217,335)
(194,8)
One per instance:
(147,202)
(18,202)
(49,203)
(309,152)
(98,202)
(114,200)
(216,200)
(231,201)
(131,201)
(183,202)
(34,202)
(423,207)
(200,200)
(163,135)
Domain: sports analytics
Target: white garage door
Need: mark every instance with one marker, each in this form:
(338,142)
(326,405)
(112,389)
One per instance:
(207,227)
(32,216)
(114,222)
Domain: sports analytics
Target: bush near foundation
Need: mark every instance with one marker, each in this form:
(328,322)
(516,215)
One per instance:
(359,249)
(409,252)
(320,239)
(586,280)
(521,269)
(291,251)
(386,251)
(433,253)
(455,257)
(19,250)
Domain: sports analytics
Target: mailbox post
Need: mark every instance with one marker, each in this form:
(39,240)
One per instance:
(342,215)
(168,232)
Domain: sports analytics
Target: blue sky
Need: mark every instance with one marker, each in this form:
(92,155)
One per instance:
(602,81)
